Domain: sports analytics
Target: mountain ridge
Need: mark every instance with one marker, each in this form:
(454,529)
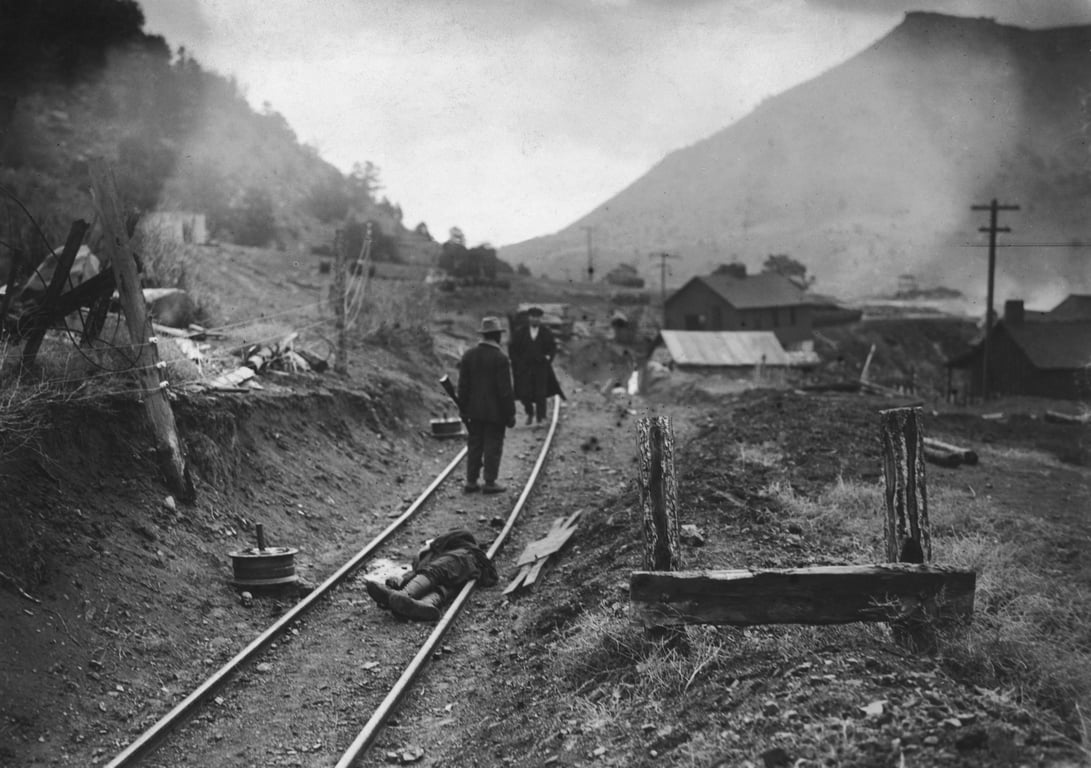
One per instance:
(869,170)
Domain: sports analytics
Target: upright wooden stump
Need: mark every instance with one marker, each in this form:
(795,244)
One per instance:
(658,494)
(659,506)
(908,531)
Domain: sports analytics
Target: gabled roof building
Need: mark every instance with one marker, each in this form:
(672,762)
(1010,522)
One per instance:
(722,302)
(1032,353)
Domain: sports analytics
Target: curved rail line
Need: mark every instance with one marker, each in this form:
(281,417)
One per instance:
(150,739)
(366,736)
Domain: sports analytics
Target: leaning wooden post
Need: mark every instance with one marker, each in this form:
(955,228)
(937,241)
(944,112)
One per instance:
(45,313)
(908,531)
(337,296)
(658,494)
(147,366)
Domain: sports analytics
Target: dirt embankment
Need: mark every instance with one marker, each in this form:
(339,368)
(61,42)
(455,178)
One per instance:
(125,590)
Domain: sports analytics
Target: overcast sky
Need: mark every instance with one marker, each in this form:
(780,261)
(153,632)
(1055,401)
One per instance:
(513,118)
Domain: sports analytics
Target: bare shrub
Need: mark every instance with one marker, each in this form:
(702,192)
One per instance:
(170,264)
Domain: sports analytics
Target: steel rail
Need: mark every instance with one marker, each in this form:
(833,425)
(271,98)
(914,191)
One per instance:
(371,729)
(148,740)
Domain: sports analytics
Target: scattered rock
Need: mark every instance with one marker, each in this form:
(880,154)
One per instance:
(692,535)
(775,758)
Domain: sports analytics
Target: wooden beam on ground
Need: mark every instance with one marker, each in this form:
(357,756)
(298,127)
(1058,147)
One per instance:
(123,260)
(838,594)
(965,455)
(1056,417)
(534,557)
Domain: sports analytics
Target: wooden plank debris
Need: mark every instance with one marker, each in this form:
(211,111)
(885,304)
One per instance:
(1056,417)
(232,379)
(837,594)
(934,449)
(534,557)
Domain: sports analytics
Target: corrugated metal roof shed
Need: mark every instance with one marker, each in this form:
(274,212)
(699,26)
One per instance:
(722,349)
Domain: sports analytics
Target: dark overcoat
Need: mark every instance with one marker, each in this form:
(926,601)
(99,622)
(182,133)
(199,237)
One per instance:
(453,559)
(531,362)
(485,391)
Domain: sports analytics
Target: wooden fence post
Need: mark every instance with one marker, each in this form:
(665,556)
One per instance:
(908,531)
(123,261)
(658,494)
(340,264)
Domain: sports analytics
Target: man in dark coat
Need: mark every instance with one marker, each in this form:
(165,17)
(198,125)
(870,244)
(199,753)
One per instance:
(442,566)
(532,350)
(487,404)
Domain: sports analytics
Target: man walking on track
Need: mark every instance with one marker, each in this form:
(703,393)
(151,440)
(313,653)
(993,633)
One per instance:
(487,405)
(532,350)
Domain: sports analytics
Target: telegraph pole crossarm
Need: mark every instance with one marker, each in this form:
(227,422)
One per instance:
(994,209)
(663,256)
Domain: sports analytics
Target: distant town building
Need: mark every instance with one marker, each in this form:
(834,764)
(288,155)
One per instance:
(176,226)
(722,302)
(624,276)
(1041,354)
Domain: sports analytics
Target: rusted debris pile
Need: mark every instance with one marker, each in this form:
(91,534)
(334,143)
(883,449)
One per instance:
(279,357)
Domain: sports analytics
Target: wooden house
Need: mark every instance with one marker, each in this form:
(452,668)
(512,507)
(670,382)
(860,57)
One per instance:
(723,302)
(1030,353)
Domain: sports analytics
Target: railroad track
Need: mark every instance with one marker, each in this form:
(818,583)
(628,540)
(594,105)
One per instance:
(331,662)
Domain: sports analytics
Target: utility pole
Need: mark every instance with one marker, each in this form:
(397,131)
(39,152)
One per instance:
(147,366)
(994,209)
(663,256)
(590,262)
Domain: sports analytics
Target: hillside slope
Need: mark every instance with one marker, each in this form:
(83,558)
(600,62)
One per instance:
(869,170)
(181,137)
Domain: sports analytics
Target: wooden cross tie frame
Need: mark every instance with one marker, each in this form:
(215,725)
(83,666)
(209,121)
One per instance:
(532,560)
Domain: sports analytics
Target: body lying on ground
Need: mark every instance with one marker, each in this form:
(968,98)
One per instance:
(442,566)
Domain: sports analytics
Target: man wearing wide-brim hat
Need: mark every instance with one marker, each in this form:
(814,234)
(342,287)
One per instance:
(487,403)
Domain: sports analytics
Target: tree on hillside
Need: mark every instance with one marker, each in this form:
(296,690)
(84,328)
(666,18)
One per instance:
(785,265)
(384,247)
(143,166)
(329,199)
(363,183)
(253,220)
(734,269)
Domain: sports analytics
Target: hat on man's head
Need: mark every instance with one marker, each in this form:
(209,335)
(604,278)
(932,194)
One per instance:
(490,325)
(535,312)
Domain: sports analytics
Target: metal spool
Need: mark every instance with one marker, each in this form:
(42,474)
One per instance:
(263,566)
(447,427)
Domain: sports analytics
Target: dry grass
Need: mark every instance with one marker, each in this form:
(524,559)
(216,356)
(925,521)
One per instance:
(1030,633)
(1030,639)
(170,264)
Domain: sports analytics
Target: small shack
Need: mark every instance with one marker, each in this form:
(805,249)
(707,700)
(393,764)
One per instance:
(177,226)
(720,351)
(1029,353)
